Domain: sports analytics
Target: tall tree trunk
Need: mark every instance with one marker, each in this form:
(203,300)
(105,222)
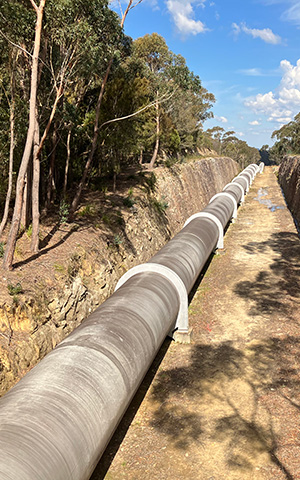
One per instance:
(15,224)
(51,182)
(11,148)
(26,203)
(67,163)
(141,157)
(35,190)
(155,152)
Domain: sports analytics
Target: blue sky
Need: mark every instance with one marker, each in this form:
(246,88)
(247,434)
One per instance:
(246,52)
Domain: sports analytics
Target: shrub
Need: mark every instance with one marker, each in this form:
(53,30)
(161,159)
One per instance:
(14,289)
(64,208)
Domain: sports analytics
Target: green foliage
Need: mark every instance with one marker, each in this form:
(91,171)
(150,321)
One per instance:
(29,231)
(117,240)
(64,209)
(288,141)
(160,205)
(151,182)
(106,219)
(1,249)
(129,201)
(15,289)
(59,268)
(225,143)
(87,211)
(78,40)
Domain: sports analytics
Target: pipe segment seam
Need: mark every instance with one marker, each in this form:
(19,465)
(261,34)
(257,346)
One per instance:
(242,174)
(252,170)
(239,177)
(255,166)
(220,243)
(235,206)
(241,188)
(182,321)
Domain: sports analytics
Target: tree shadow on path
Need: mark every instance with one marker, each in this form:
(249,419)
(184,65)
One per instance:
(272,288)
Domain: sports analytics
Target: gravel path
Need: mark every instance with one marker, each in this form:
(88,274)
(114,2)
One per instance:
(228,405)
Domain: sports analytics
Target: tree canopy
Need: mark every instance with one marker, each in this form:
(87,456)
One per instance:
(79,98)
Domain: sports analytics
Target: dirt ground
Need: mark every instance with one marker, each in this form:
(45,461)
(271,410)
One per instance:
(226,407)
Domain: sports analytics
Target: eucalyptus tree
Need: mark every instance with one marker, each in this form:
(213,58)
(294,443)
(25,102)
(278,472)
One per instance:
(155,56)
(78,42)
(130,5)
(288,138)
(181,103)
(15,224)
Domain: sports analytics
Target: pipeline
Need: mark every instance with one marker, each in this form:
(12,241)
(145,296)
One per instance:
(57,421)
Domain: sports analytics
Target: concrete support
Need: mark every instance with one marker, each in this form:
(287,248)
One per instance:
(182,321)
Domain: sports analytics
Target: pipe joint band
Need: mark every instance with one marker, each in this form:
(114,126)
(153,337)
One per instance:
(182,321)
(240,187)
(244,178)
(212,217)
(234,214)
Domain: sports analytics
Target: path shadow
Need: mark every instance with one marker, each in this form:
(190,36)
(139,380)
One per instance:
(245,425)
(269,292)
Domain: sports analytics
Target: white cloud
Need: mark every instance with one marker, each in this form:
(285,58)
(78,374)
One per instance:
(281,105)
(252,72)
(221,119)
(264,34)
(183,13)
(258,72)
(241,134)
(255,122)
(292,14)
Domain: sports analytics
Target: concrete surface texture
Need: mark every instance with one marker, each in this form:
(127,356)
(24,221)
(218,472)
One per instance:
(227,407)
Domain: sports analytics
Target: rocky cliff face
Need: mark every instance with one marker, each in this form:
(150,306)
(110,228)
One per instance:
(289,179)
(64,290)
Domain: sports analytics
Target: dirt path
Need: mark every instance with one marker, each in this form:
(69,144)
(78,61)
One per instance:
(228,406)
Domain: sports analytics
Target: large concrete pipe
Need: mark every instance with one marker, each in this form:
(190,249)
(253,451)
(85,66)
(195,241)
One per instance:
(56,422)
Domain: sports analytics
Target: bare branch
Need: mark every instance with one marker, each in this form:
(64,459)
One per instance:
(153,104)
(121,10)
(21,48)
(137,3)
(34,5)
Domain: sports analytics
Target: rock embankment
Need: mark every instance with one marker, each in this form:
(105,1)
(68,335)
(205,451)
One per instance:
(79,267)
(289,179)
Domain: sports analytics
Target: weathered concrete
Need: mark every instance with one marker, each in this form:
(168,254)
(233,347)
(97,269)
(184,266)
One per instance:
(227,406)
